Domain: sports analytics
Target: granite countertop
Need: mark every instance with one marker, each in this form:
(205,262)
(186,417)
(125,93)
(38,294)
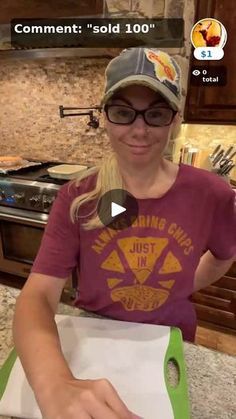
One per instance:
(211,374)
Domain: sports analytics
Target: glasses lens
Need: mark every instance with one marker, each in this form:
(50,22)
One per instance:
(120,114)
(159,116)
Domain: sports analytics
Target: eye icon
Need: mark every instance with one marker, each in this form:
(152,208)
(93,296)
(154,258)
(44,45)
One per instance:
(196,72)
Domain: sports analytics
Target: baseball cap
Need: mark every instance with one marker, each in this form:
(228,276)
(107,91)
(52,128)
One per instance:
(149,67)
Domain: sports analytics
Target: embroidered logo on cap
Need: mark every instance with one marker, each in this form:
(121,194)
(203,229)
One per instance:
(166,70)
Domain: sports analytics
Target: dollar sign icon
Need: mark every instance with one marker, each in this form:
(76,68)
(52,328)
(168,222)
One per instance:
(203,54)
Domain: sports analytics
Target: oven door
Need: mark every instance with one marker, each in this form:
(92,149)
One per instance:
(21,232)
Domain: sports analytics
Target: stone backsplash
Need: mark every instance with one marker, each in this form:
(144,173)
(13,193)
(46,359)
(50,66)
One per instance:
(30,95)
(208,136)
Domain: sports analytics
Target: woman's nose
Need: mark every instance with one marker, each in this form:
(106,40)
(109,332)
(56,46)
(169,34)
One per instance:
(139,123)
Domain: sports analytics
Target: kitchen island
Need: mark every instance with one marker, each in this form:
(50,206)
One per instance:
(211,374)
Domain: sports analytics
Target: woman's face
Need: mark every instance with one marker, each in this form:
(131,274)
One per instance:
(138,142)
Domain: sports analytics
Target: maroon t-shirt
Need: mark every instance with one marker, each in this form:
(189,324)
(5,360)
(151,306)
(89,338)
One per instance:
(145,272)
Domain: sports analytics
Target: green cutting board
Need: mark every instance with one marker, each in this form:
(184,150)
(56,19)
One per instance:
(133,356)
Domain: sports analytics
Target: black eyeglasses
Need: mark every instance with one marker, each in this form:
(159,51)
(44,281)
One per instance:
(125,115)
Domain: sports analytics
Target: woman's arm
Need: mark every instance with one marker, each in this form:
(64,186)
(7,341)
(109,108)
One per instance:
(209,270)
(58,393)
(35,332)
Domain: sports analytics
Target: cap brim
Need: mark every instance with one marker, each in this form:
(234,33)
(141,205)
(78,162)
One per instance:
(147,81)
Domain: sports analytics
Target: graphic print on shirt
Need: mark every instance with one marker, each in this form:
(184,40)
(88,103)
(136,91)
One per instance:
(142,254)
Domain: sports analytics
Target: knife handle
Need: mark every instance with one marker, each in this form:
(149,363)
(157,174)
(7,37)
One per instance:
(215,151)
(229,169)
(228,151)
(232,155)
(218,157)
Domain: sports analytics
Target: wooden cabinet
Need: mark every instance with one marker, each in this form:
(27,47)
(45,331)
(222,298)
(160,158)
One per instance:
(216,304)
(216,105)
(13,9)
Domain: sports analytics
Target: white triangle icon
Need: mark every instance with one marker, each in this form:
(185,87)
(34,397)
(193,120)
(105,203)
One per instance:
(116,209)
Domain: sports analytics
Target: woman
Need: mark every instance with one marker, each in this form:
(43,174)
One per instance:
(183,238)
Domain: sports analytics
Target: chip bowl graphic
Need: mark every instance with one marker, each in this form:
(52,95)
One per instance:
(208,32)
(140,294)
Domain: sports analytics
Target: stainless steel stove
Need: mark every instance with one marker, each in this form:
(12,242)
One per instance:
(29,188)
(26,197)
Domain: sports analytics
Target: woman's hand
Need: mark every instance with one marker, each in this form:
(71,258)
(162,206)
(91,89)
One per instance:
(83,399)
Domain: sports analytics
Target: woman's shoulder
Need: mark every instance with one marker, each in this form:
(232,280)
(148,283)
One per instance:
(202,178)
(76,187)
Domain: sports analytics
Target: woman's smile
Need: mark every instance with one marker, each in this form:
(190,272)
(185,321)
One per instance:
(138,149)
(137,145)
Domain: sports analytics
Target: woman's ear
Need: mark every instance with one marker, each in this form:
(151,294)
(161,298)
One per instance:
(178,118)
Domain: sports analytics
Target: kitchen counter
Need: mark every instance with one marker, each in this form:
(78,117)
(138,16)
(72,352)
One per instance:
(211,374)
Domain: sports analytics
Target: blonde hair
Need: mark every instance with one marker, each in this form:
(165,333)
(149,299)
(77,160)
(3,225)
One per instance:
(108,178)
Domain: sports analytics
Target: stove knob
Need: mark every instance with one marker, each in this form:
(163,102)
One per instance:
(34,200)
(19,197)
(47,201)
(2,195)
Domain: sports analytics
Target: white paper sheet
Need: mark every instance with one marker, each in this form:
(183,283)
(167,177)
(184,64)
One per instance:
(130,355)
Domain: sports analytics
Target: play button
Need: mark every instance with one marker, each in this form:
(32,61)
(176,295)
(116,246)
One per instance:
(117,209)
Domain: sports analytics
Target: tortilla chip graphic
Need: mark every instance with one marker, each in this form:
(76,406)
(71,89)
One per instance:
(140,297)
(112,282)
(113,263)
(142,253)
(167,284)
(141,274)
(164,68)
(170,265)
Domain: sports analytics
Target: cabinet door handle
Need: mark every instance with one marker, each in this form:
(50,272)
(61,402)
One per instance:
(233,306)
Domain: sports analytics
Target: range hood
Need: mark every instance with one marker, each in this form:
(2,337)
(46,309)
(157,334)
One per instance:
(57,53)
(52,9)
(8,53)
